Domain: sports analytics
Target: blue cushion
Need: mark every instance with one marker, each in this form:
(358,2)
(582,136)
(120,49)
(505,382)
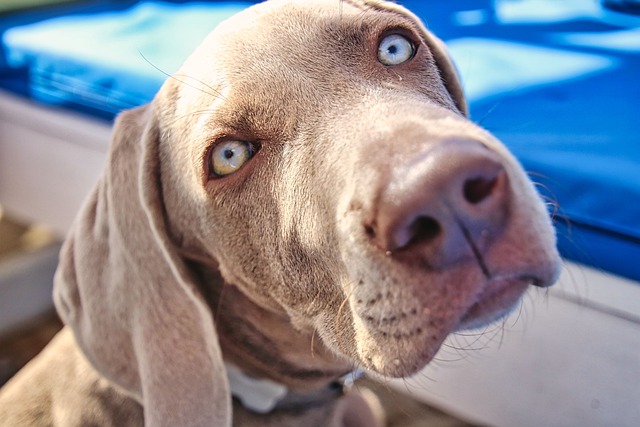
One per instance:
(111,60)
(16,79)
(556,81)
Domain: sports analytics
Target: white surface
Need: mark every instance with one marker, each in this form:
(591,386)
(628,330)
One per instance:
(560,361)
(49,161)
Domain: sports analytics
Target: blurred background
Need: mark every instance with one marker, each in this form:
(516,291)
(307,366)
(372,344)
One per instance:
(557,81)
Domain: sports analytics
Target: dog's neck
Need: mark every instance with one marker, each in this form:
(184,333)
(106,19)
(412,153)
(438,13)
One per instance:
(264,344)
(264,396)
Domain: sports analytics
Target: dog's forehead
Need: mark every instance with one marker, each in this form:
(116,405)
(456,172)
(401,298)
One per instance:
(302,20)
(300,10)
(269,52)
(290,33)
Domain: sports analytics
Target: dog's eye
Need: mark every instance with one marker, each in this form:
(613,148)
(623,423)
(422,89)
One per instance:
(229,156)
(395,49)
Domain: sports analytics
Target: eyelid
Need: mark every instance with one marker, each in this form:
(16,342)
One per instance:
(253,146)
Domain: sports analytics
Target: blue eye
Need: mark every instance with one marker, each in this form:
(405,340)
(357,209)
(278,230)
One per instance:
(395,49)
(229,156)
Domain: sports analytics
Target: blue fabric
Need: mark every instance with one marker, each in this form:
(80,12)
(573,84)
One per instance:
(111,60)
(556,81)
(17,79)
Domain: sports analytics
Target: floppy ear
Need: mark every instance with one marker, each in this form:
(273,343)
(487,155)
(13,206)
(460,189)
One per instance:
(448,71)
(129,298)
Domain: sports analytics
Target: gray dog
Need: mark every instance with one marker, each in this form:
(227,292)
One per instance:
(306,197)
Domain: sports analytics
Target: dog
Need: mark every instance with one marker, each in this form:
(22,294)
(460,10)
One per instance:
(304,198)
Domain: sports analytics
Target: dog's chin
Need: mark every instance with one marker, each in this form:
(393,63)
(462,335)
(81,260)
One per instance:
(413,346)
(399,364)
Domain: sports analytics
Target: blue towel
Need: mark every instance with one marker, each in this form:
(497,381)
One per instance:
(111,60)
(557,82)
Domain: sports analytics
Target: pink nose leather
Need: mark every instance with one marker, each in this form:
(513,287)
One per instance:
(444,206)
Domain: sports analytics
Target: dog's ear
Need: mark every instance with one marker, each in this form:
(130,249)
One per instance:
(448,71)
(130,299)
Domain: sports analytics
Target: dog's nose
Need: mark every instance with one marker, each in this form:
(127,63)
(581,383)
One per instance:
(444,206)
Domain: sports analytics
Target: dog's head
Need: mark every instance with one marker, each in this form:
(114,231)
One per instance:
(323,151)
(319,154)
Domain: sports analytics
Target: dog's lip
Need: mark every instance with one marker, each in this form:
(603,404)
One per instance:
(499,297)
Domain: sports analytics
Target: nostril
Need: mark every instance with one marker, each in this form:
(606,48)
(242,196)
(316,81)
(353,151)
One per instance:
(478,189)
(423,230)
(371,232)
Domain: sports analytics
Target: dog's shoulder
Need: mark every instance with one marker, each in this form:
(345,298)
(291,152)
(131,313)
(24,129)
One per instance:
(60,388)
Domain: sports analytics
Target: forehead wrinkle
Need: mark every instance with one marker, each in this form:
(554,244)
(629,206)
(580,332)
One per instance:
(254,120)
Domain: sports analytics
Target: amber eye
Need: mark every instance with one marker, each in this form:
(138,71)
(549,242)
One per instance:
(229,156)
(395,49)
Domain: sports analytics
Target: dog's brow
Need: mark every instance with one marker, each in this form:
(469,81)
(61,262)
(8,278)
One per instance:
(249,120)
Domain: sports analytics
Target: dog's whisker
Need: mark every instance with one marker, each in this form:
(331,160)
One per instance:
(351,288)
(313,339)
(469,334)
(465,348)
(446,362)
(549,196)
(218,311)
(480,341)
(577,284)
(214,93)
(477,337)
(191,114)
(517,318)
(500,333)
(489,112)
